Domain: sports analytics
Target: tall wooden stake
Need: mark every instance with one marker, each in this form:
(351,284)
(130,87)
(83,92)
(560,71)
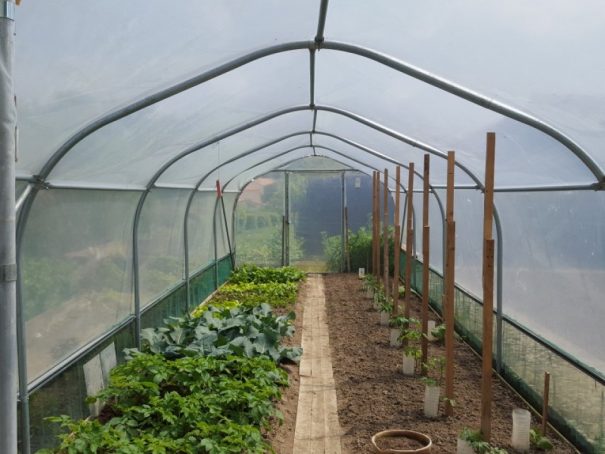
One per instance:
(426,239)
(385,234)
(448,302)
(488,288)
(409,242)
(396,240)
(374,184)
(347,249)
(545,403)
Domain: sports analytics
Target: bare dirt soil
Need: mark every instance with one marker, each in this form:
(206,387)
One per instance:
(373,395)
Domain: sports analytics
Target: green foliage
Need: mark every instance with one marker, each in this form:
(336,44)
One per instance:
(539,441)
(189,405)
(435,368)
(219,332)
(250,294)
(439,333)
(224,304)
(259,275)
(475,439)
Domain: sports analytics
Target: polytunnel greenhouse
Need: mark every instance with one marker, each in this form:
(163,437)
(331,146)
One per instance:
(187,185)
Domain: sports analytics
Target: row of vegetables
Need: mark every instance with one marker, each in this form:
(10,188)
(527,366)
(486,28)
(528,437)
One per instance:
(203,383)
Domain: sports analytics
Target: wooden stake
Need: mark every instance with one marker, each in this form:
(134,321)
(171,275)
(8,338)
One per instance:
(385,234)
(397,241)
(488,288)
(397,246)
(374,220)
(347,251)
(426,239)
(545,403)
(486,376)
(448,303)
(409,242)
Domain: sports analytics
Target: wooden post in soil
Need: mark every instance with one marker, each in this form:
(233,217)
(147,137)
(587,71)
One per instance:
(449,281)
(409,242)
(545,403)
(385,233)
(396,240)
(347,251)
(426,238)
(374,262)
(488,288)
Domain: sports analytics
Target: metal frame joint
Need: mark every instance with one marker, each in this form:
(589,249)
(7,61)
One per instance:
(7,10)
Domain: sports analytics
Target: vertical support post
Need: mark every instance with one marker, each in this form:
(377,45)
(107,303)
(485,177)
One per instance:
(385,233)
(347,251)
(286,251)
(499,283)
(374,223)
(397,240)
(376,219)
(545,402)
(426,238)
(409,246)
(488,288)
(186,254)
(449,293)
(214,234)
(343,223)
(8,247)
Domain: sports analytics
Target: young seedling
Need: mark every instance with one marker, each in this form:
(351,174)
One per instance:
(539,441)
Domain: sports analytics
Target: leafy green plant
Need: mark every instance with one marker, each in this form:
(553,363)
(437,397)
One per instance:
(539,441)
(219,332)
(475,439)
(439,333)
(189,405)
(225,304)
(251,294)
(435,368)
(260,275)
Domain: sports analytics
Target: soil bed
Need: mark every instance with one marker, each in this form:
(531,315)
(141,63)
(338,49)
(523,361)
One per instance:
(373,395)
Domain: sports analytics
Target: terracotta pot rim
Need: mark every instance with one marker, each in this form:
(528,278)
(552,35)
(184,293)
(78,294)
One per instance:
(418,436)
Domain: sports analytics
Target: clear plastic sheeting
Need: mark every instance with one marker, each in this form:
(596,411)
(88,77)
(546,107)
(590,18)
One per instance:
(188,169)
(526,156)
(77,271)
(554,261)
(380,142)
(133,149)
(231,168)
(161,243)
(265,165)
(259,221)
(200,231)
(536,56)
(315,234)
(468,215)
(96,57)
(224,224)
(319,163)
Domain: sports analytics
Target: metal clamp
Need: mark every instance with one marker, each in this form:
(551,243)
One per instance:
(7,9)
(8,273)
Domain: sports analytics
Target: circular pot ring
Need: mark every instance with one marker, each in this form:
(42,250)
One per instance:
(392,433)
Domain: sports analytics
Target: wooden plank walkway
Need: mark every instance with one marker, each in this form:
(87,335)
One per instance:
(317,427)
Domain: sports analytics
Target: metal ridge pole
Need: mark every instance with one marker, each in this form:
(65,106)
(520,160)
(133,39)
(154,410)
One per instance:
(321,22)
(8,248)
